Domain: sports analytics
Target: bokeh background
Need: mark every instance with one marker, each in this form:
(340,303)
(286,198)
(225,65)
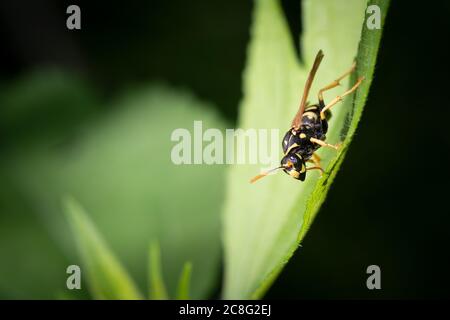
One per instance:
(387,205)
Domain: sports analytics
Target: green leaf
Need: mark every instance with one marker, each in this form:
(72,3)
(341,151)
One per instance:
(107,278)
(264,223)
(46,103)
(119,166)
(184,282)
(26,249)
(156,282)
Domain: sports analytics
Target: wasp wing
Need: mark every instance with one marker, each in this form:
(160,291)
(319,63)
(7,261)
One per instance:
(296,122)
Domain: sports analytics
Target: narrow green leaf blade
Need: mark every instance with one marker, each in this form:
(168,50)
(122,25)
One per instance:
(106,277)
(184,283)
(157,287)
(271,82)
(366,60)
(264,223)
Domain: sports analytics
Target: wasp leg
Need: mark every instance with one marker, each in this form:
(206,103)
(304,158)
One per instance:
(324,144)
(316,160)
(339,98)
(335,83)
(316,168)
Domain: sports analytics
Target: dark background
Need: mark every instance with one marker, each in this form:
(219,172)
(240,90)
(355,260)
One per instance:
(388,203)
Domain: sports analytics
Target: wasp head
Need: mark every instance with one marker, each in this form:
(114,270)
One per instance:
(294,165)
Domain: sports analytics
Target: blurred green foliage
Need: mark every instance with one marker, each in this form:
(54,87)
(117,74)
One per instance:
(106,277)
(118,166)
(46,104)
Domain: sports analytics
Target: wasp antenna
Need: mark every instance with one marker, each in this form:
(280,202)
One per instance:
(264,174)
(256,178)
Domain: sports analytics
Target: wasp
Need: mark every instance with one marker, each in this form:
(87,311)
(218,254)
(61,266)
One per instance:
(309,127)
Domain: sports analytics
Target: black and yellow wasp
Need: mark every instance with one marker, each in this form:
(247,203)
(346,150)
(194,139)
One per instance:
(309,127)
